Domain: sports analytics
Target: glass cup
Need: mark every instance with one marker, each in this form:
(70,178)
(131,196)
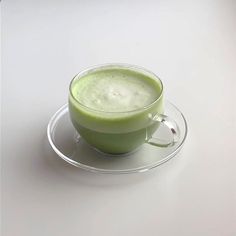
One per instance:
(121,132)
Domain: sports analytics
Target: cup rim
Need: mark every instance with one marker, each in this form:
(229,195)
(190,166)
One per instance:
(115,65)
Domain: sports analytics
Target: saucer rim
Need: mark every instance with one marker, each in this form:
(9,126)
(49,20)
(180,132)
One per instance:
(64,109)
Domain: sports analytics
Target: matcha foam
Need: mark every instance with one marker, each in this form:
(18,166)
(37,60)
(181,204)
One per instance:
(116,90)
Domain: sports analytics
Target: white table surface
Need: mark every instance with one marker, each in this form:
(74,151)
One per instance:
(191,45)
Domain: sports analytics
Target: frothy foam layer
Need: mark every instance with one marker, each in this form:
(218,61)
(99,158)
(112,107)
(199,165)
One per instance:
(116,90)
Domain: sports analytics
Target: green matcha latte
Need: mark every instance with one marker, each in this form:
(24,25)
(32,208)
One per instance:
(112,106)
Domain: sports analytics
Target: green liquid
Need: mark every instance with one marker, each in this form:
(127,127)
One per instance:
(111,110)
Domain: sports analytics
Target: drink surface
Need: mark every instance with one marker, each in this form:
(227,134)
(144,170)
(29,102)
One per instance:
(116,90)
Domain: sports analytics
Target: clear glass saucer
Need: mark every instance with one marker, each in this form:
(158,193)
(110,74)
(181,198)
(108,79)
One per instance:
(68,145)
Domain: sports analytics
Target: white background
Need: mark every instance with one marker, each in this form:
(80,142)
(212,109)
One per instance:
(191,45)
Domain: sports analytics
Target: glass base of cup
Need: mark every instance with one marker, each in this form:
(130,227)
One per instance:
(117,154)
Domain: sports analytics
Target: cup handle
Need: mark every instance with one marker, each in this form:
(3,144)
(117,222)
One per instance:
(171,125)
